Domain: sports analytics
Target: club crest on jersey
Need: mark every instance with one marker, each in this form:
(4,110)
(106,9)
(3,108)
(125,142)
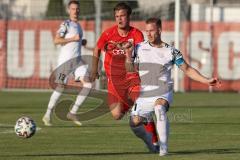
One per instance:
(131,40)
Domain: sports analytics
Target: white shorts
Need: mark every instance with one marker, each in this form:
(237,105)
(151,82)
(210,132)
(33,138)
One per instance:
(145,105)
(74,67)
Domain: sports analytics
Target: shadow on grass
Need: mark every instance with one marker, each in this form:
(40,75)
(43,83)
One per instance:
(208,151)
(206,123)
(204,151)
(88,126)
(77,154)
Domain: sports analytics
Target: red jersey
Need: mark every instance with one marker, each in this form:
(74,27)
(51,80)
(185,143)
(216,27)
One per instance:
(114,62)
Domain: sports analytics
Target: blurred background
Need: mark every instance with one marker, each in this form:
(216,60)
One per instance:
(206,31)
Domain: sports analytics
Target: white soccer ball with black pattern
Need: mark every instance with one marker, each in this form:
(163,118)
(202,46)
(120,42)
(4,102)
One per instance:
(25,127)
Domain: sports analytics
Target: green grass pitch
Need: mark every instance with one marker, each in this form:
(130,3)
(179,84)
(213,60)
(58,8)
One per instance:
(204,126)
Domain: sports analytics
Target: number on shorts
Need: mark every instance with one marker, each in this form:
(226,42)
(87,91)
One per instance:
(62,76)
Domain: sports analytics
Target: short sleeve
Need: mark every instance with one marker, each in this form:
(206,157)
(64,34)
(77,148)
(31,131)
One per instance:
(177,57)
(138,37)
(80,31)
(102,41)
(63,29)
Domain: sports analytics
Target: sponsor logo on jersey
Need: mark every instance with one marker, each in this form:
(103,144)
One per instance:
(118,52)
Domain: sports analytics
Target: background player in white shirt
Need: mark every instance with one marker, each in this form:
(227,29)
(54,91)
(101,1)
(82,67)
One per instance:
(155,60)
(69,36)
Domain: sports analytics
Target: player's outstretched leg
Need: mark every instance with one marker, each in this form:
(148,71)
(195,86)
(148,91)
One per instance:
(72,115)
(52,103)
(162,127)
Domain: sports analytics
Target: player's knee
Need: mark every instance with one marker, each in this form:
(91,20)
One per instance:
(117,115)
(116,111)
(163,103)
(60,88)
(135,120)
(87,85)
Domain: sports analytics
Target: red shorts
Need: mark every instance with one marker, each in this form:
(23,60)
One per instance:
(124,90)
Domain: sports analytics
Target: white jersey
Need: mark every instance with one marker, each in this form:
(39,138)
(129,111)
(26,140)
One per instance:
(69,60)
(155,64)
(70,50)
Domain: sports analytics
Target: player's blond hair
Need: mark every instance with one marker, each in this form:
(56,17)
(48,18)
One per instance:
(73,2)
(156,21)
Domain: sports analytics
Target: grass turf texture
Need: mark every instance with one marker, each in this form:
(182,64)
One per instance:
(203,126)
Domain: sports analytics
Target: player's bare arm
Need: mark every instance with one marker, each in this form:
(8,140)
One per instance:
(62,41)
(95,59)
(197,76)
(129,62)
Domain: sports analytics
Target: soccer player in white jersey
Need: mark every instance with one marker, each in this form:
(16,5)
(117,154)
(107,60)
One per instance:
(157,58)
(69,36)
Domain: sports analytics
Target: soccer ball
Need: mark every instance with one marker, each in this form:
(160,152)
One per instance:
(25,127)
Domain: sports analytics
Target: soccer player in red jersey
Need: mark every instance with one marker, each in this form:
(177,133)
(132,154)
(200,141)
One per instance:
(123,86)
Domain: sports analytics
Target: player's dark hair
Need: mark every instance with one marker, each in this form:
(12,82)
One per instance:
(123,5)
(73,2)
(156,21)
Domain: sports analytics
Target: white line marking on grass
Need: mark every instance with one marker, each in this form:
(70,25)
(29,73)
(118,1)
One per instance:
(5,125)
(10,130)
(201,134)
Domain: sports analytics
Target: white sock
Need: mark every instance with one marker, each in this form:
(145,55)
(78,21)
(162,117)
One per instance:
(81,97)
(52,102)
(162,126)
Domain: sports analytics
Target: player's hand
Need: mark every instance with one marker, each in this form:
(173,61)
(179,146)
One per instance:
(94,76)
(214,82)
(84,42)
(128,49)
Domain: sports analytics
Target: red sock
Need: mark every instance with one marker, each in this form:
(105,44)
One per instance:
(150,127)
